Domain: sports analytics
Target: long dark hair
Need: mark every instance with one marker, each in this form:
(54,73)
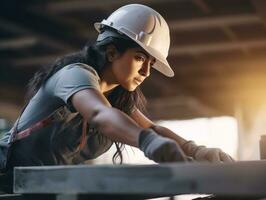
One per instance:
(95,56)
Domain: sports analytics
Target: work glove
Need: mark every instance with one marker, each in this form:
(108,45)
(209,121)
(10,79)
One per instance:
(202,153)
(160,149)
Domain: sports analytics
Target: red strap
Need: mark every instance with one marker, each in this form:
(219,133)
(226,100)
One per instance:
(84,133)
(38,125)
(46,122)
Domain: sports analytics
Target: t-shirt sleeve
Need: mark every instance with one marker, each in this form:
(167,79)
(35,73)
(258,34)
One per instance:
(73,79)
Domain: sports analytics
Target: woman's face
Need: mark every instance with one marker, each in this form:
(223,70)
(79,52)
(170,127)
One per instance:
(132,67)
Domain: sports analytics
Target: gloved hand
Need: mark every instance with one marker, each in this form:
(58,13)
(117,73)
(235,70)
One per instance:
(160,149)
(202,153)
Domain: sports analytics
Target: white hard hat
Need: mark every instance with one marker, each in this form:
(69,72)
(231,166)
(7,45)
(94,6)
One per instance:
(146,27)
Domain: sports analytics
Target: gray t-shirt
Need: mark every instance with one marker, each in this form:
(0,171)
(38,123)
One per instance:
(55,93)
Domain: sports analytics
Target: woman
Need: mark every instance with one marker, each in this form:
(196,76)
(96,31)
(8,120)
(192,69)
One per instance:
(90,99)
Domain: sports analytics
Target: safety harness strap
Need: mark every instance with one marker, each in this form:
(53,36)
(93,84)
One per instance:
(57,115)
(22,134)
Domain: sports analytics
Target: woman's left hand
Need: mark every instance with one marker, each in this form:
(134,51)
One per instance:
(211,154)
(202,153)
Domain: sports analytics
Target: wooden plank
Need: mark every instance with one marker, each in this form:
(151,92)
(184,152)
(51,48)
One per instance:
(18,43)
(11,197)
(17,28)
(80,5)
(214,22)
(216,47)
(234,179)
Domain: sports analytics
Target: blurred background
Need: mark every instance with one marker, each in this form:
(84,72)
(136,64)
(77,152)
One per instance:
(218,53)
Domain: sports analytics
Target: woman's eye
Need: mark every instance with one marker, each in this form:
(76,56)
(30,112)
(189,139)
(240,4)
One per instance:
(140,58)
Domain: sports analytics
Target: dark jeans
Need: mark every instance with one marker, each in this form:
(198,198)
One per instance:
(25,152)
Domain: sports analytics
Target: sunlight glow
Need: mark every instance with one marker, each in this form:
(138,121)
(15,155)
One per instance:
(220,132)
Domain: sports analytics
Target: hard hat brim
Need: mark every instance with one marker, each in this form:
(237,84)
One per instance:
(161,63)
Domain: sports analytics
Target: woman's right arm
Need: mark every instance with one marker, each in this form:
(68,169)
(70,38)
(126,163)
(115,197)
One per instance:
(113,123)
(119,127)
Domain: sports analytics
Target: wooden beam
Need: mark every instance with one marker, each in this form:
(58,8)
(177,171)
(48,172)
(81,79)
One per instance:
(207,93)
(211,85)
(260,7)
(35,60)
(214,21)
(13,27)
(229,98)
(18,43)
(148,180)
(216,47)
(203,6)
(220,60)
(80,5)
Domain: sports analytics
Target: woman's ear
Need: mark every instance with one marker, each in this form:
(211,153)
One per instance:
(111,53)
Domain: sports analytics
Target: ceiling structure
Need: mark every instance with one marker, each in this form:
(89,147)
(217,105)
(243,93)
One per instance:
(218,50)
